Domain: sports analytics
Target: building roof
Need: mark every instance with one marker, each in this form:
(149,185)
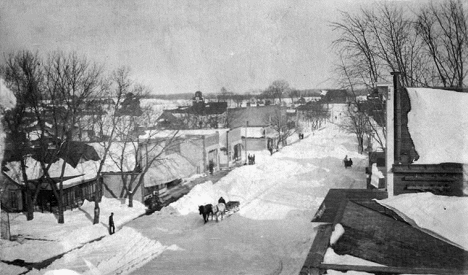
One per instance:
(256,116)
(380,236)
(169,168)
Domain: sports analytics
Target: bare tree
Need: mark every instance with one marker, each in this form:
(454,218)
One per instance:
(238,99)
(106,123)
(444,30)
(294,93)
(282,124)
(143,153)
(224,95)
(70,81)
(356,123)
(278,89)
(396,42)
(23,75)
(313,114)
(356,50)
(375,41)
(365,119)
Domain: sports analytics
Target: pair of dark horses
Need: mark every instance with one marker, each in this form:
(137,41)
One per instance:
(216,210)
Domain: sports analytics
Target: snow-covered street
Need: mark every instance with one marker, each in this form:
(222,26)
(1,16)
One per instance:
(271,234)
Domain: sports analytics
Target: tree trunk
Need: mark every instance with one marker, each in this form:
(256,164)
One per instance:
(130,199)
(360,145)
(29,205)
(97,210)
(61,217)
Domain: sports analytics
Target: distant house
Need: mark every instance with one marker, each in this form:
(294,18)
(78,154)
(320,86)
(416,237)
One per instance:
(201,115)
(255,125)
(335,97)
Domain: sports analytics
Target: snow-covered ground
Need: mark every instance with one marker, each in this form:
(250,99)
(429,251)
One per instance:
(271,234)
(43,238)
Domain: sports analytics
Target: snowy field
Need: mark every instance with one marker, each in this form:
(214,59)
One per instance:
(271,234)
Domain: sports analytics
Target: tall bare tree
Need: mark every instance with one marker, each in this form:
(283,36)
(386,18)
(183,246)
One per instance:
(356,49)
(23,75)
(70,81)
(142,153)
(444,30)
(356,123)
(365,119)
(396,42)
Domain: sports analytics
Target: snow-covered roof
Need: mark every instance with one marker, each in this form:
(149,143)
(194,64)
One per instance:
(438,124)
(150,134)
(83,172)
(169,168)
(253,132)
(117,151)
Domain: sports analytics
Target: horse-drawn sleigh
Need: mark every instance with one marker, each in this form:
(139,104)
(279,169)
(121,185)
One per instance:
(220,209)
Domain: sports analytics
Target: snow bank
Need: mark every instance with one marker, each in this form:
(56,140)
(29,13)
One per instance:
(61,272)
(376,175)
(8,97)
(332,258)
(43,238)
(121,253)
(438,127)
(201,194)
(338,231)
(11,269)
(440,216)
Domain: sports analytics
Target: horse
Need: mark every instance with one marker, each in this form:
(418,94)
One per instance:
(218,210)
(206,210)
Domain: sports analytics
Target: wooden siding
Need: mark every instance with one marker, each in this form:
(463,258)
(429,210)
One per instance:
(440,179)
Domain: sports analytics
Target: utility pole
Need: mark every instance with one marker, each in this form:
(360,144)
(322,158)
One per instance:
(245,140)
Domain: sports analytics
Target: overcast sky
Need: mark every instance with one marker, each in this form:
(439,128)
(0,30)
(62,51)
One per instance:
(186,45)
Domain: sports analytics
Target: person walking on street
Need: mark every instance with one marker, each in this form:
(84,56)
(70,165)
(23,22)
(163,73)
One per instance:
(111,224)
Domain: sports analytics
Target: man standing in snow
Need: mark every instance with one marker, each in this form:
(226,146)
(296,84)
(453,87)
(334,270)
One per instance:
(111,224)
(211,167)
(345,161)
